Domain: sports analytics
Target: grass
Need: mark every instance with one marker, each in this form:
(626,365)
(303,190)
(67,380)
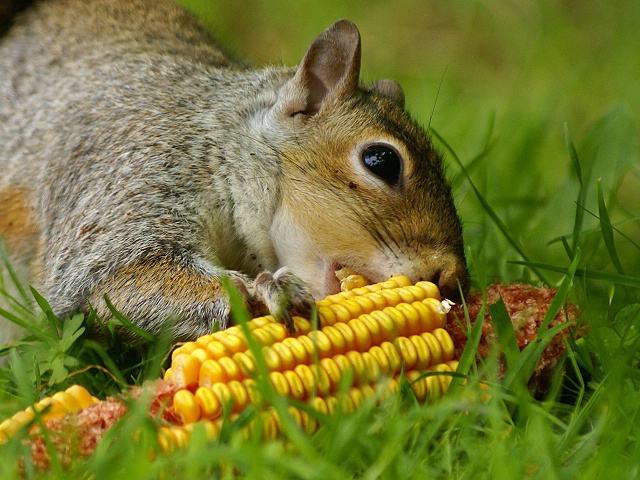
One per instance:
(536,116)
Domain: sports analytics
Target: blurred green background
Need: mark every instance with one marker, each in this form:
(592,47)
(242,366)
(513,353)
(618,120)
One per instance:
(513,72)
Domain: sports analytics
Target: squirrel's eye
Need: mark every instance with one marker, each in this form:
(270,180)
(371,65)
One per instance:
(384,162)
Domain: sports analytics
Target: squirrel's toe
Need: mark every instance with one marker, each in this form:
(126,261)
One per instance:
(284,295)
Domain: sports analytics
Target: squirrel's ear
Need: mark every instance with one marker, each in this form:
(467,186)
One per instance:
(390,89)
(330,67)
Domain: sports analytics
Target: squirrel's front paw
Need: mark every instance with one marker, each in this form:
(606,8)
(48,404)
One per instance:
(284,295)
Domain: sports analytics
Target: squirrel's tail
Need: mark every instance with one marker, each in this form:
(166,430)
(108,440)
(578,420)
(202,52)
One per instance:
(8,9)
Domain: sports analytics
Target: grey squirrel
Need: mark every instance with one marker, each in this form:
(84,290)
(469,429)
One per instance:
(140,161)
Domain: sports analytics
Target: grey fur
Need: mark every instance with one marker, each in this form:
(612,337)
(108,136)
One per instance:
(137,137)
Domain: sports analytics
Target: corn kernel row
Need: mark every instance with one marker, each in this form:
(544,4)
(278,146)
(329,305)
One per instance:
(177,436)
(72,400)
(358,334)
(332,309)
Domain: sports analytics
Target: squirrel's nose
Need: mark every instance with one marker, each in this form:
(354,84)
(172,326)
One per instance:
(451,276)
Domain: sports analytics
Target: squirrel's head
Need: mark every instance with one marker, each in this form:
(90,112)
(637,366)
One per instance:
(362,187)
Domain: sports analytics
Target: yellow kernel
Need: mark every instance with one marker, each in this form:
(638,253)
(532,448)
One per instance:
(373,327)
(186,369)
(430,289)
(287,358)
(419,386)
(381,359)
(412,319)
(359,367)
(217,350)
(434,347)
(308,345)
(322,343)
(239,395)
(367,391)
(423,352)
(231,368)
(221,390)
(407,352)
(263,337)
(372,368)
(186,347)
(405,294)
(347,334)
(393,356)
(323,382)
(307,377)
(332,404)
(209,403)
(332,370)
(255,398)
(448,349)
(211,372)
(62,404)
(280,383)
(345,366)
(391,296)
(361,334)
(319,404)
(201,354)
(379,301)
(246,363)
(366,304)
(297,349)
(426,315)
(184,403)
(337,341)
(355,309)
(277,330)
(272,359)
(342,313)
(83,397)
(204,340)
(302,325)
(234,343)
(270,427)
(438,316)
(401,281)
(262,321)
(356,396)
(346,403)
(296,387)
(388,329)
(399,320)
(327,315)
(10,426)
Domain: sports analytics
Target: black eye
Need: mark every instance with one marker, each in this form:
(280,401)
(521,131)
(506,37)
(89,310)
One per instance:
(384,162)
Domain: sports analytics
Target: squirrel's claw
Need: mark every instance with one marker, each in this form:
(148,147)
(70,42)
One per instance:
(284,295)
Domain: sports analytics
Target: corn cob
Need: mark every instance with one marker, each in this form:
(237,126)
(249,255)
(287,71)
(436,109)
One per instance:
(369,335)
(72,400)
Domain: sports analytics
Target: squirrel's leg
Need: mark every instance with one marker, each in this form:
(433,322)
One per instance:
(189,298)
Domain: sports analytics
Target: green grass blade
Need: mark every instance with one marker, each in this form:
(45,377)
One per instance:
(127,323)
(561,293)
(504,329)
(587,273)
(607,231)
(582,191)
(12,274)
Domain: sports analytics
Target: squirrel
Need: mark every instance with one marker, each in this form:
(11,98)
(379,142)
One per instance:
(141,162)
